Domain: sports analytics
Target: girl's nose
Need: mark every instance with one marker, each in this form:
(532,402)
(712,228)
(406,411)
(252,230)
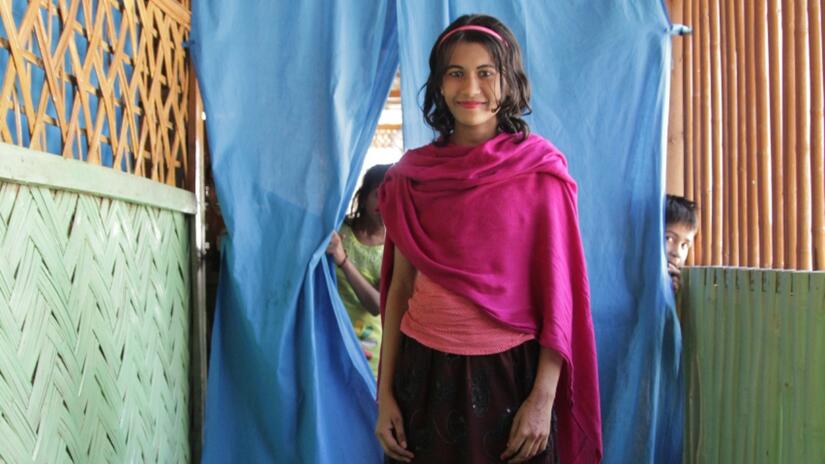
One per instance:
(471,86)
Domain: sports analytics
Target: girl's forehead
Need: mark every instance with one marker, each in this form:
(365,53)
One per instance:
(464,53)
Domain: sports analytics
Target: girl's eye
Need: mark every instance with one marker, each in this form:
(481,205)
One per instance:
(486,73)
(455,74)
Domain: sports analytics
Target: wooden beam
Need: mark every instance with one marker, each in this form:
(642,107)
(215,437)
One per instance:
(777,148)
(763,136)
(754,257)
(716,152)
(732,134)
(744,257)
(674,174)
(706,129)
(727,128)
(687,99)
(803,134)
(817,136)
(789,133)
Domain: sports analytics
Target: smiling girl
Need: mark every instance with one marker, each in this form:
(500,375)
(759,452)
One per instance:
(488,351)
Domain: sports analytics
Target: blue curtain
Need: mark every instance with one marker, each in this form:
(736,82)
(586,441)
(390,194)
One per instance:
(599,72)
(292,92)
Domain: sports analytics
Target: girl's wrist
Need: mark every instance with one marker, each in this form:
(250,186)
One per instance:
(541,400)
(343,261)
(543,395)
(384,387)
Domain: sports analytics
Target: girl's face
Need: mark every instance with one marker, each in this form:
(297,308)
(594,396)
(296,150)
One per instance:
(471,86)
(371,206)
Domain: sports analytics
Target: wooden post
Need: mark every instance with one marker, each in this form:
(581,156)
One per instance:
(699,31)
(803,143)
(763,136)
(754,258)
(716,153)
(674,174)
(744,252)
(817,136)
(732,134)
(726,130)
(707,141)
(687,100)
(777,167)
(789,130)
(195,182)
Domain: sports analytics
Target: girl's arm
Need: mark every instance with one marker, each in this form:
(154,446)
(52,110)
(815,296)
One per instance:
(367,295)
(530,431)
(390,428)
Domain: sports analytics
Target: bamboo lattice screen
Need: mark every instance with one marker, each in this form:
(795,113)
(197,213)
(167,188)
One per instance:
(747,127)
(102,81)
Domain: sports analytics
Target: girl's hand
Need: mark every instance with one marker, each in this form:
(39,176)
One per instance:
(390,429)
(530,431)
(336,249)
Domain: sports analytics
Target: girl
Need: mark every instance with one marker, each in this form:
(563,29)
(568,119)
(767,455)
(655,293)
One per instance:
(488,350)
(357,249)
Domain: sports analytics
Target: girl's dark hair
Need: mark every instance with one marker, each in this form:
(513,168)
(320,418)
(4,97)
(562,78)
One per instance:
(515,89)
(371,181)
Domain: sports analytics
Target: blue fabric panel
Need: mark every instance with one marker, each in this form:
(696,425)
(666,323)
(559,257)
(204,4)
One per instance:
(599,72)
(292,92)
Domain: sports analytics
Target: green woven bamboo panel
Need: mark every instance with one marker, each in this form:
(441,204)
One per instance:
(94,329)
(754,353)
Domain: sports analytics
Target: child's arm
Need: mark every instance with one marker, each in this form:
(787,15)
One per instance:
(390,429)
(367,295)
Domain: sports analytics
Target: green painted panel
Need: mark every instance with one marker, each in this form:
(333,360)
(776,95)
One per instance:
(24,166)
(754,354)
(94,329)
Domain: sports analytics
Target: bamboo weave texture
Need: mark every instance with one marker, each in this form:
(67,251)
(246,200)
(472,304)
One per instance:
(94,329)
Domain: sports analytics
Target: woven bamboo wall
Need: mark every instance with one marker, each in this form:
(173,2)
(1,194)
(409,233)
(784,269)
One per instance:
(754,357)
(94,315)
(102,81)
(747,130)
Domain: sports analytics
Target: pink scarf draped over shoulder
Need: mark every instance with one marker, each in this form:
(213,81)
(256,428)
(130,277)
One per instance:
(498,224)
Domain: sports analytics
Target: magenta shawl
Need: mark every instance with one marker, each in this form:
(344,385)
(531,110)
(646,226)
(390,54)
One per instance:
(498,224)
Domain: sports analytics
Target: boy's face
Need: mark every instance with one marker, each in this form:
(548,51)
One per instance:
(678,239)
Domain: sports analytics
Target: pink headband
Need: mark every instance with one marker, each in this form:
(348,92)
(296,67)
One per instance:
(473,27)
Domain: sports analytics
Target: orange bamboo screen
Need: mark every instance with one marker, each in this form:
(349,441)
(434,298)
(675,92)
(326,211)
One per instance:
(746,131)
(103,81)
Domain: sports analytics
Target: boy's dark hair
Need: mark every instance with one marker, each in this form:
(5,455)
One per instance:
(680,210)
(371,181)
(515,89)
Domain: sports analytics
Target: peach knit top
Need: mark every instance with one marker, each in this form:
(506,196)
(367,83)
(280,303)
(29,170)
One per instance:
(447,322)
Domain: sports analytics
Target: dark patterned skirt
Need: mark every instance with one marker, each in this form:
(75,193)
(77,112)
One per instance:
(459,409)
